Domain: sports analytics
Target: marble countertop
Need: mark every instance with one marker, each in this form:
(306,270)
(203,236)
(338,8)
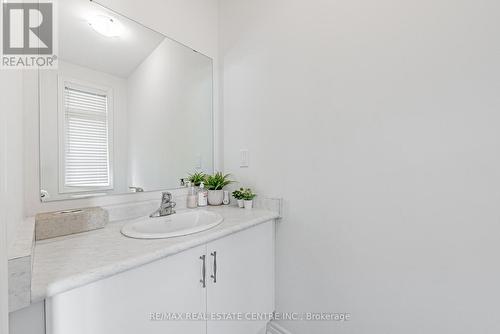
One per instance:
(19,265)
(23,244)
(65,263)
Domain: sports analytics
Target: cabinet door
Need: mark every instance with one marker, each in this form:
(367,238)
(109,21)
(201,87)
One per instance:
(244,279)
(127,302)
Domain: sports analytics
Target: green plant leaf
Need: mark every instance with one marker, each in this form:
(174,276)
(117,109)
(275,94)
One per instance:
(248,194)
(217,181)
(197,178)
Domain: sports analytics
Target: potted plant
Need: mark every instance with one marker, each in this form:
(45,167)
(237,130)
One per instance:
(238,195)
(248,196)
(214,184)
(197,178)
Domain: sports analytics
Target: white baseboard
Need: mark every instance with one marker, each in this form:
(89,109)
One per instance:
(274,328)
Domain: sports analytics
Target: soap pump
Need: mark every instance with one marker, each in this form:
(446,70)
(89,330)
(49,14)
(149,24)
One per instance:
(192,201)
(202,195)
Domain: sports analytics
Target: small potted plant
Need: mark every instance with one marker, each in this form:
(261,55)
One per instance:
(214,184)
(197,178)
(248,196)
(238,195)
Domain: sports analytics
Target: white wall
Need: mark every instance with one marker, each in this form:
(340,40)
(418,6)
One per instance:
(170,112)
(4,292)
(10,176)
(11,105)
(378,122)
(192,22)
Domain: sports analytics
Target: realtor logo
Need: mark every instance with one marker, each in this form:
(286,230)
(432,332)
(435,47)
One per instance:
(28,35)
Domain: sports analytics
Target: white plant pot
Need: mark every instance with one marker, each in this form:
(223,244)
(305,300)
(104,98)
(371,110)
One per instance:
(215,197)
(248,204)
(241,203)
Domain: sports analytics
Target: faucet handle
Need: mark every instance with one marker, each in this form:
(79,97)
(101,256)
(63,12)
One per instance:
(166,197)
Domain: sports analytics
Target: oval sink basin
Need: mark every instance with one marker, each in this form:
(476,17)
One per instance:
(178,224)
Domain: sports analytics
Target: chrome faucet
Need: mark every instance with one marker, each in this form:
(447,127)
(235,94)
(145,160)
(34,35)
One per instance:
(166,206)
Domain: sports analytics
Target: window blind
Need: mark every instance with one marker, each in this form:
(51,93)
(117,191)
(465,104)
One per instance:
(86,162)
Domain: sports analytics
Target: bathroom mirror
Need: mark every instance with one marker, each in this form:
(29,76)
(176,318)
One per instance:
(127,110)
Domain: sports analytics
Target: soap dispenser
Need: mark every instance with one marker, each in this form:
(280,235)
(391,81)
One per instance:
(226,199)
(202,195)
(192,200)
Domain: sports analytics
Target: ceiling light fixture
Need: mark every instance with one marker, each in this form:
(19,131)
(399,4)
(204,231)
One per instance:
(106,26)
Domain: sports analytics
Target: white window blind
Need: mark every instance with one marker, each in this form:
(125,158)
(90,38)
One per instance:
(86,139)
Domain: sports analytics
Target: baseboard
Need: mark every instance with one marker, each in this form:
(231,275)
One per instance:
(274,328)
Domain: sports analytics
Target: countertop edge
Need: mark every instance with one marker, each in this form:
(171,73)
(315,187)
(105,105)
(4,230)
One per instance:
(24,242)
(88,277)
(20,264)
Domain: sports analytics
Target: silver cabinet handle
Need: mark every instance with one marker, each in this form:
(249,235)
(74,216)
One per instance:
(214,275)
(203,280)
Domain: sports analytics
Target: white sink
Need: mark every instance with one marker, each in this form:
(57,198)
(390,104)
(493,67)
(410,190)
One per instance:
(178,224)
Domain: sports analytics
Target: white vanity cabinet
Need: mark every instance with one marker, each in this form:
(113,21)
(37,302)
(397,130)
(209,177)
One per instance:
(239,280)
(244,281)
(123,303)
